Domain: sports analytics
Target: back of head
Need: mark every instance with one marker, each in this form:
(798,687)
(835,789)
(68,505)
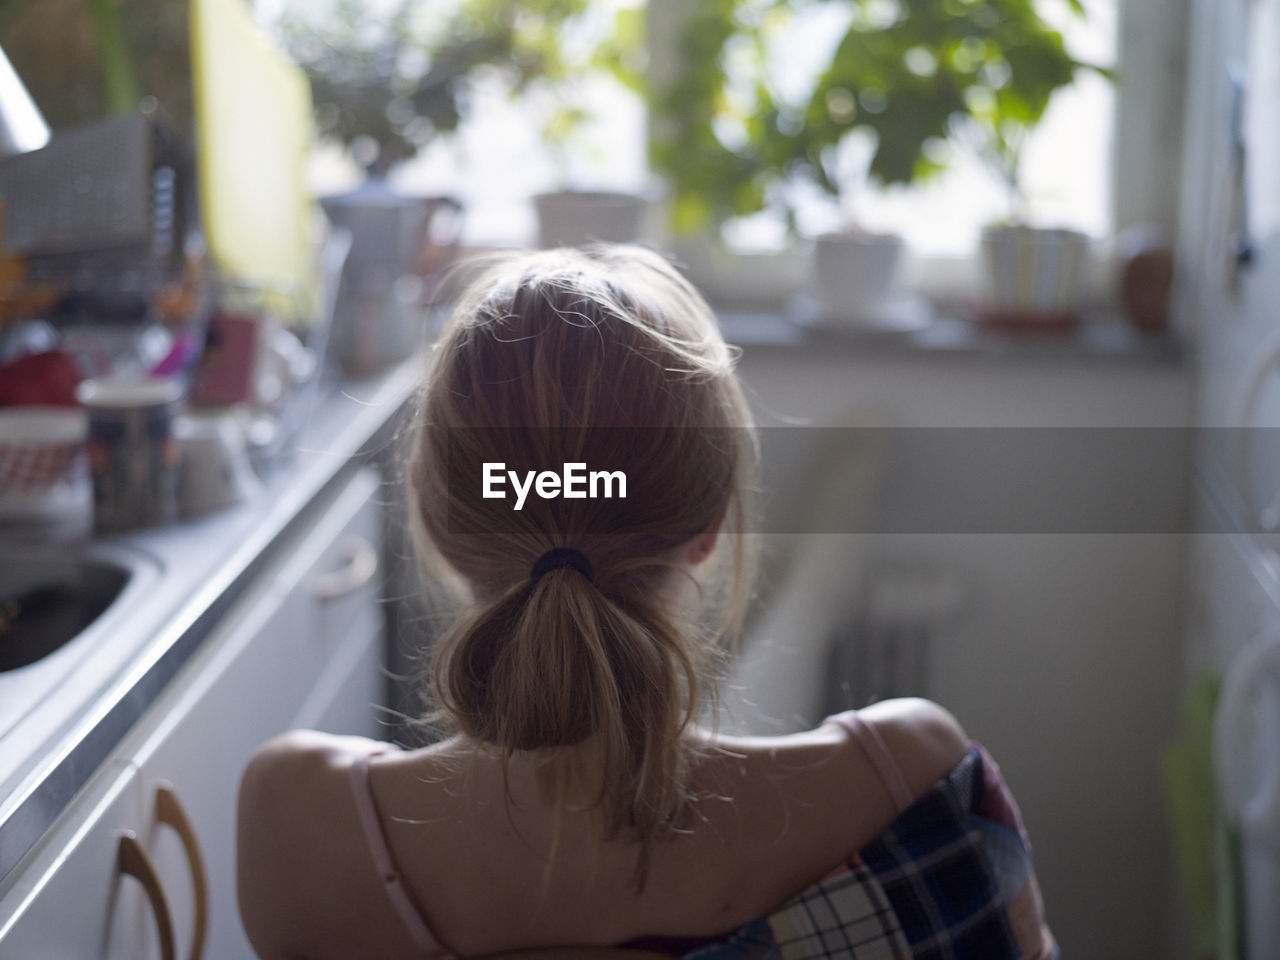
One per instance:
(606,358)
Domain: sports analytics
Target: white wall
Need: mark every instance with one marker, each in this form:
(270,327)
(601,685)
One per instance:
(1233,580)
(1063,659)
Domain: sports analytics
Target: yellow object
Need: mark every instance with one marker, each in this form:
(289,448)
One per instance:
(253,135)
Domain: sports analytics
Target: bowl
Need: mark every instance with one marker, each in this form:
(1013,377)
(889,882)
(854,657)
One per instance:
(40,449)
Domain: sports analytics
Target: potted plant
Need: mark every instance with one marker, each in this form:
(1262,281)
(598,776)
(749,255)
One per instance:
(904,79)
(1031,273)
(569,215)
(585,204)
(383,88)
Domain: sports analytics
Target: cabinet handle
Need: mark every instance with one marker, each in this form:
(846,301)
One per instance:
(1249,785)
(169,811)
(133,861)
(358,571)
(1263,515)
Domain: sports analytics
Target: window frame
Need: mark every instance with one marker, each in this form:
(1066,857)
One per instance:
(1147,146)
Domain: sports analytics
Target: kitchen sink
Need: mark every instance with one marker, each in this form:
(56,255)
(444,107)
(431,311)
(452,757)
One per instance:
(49,598)
(47,601)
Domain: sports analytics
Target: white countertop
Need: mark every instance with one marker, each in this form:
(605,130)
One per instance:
(61,716)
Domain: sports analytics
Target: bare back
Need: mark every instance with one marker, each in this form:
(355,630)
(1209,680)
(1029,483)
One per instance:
(776,814)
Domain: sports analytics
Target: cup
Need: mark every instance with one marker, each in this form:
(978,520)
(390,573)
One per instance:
(215,469)
(133,454)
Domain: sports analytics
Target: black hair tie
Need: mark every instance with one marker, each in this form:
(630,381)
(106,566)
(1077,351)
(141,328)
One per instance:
(560,558)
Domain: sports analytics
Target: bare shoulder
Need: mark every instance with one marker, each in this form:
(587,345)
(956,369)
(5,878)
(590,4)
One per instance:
(817,794)
(288,776)
(299,750)
(923,737)
(288,795)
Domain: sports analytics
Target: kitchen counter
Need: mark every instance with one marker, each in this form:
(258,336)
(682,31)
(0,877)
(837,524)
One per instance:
(61,717)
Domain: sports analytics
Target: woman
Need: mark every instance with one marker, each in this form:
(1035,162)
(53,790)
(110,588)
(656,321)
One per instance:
(577,802)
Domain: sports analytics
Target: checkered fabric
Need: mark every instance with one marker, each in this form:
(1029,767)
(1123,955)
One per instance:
(935,870)
(935,885)
(847,915)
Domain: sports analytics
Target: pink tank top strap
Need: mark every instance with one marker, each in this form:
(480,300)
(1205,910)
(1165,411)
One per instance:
(874,747)
(376,839)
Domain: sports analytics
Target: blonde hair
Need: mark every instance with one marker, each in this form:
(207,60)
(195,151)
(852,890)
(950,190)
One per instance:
(606,356)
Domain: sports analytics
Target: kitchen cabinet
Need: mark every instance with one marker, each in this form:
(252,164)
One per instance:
(74,899)
(302,646)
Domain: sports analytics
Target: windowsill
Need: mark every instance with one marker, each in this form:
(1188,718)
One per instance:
(950,334)
(762,301)
(755,297)
(770,280)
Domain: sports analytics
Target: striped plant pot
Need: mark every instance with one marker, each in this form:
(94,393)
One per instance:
(1033,276)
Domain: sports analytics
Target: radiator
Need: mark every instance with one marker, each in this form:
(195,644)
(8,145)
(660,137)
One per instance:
(887,650)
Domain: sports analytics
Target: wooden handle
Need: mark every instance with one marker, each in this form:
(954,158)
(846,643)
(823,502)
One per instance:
(134,862)
(169,811)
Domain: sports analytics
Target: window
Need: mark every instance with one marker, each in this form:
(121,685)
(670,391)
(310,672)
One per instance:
(1067,163)
(499,157)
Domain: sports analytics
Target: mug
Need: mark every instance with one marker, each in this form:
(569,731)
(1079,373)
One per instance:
(133,455)
(215,469)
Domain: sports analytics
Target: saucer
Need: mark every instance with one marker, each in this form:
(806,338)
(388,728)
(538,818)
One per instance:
(905,313)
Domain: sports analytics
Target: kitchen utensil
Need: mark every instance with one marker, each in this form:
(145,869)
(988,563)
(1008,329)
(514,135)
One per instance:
(133,454)
(88,188)
(97,214)
(400,248)
(215,462)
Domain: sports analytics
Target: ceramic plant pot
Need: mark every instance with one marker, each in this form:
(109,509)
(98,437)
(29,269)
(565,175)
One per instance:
(1033,276)
(741,279)
(855,273)
(570,218)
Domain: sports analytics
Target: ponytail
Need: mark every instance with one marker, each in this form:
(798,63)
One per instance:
(563,662)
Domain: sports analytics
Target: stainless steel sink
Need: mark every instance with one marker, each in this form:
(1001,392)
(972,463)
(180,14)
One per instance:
(46,601)
(49,597)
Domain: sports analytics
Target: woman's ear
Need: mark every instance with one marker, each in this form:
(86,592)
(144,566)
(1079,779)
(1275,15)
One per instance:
(701,546)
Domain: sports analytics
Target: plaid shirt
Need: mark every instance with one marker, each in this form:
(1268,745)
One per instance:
(949,879)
